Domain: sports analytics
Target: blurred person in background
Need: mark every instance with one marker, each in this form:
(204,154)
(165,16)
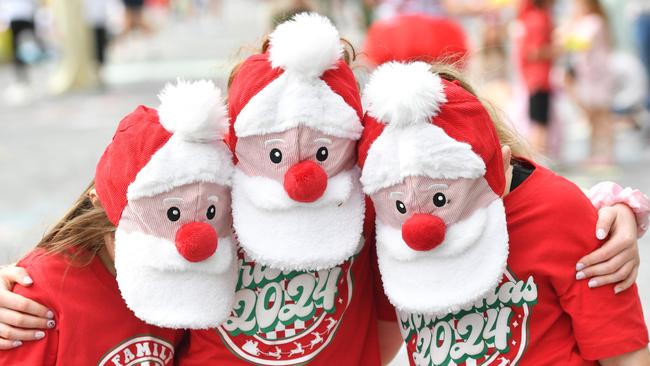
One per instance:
(535,60)
(96,16)
(134,17)
(588,41)
(640,13)
(20,14)
(390,8)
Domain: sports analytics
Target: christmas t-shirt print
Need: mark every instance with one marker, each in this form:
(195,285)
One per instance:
(286,317)
(321,317)
(494,331)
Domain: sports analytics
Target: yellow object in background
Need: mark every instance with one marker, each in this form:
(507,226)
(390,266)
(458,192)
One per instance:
(501,3)
(576,44)
(5,45)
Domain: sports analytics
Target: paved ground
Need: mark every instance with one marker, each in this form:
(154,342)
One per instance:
(49,147)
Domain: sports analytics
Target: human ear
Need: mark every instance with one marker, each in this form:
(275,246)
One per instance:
(506,153)
(94,198)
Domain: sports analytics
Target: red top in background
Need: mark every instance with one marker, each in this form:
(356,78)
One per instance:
(542,314)
(93,324)
(536,33)
(295,318)
(416,37)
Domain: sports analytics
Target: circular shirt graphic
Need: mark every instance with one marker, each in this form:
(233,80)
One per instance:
(285,317)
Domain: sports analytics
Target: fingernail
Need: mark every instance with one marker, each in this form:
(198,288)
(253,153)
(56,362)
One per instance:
(39,335)
(27,280)
(17,344)
(580,267)
(580,276)
(592,283)
(51,324)
(601,234)
(50,314)
(617,290)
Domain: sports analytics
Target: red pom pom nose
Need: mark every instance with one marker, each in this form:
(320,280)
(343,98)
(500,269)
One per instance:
(196,241)
(305,181)
(423,232)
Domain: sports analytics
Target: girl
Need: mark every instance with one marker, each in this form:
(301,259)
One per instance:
(588,41)
(439,179)
(147,222)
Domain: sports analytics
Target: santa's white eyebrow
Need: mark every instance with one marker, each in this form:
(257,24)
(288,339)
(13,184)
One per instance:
(438,186)
(273,141)
(214,199)
(393,194)
(323,140)
(169,200)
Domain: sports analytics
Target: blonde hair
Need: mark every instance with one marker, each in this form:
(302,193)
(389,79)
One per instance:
(508,136)
(84,226)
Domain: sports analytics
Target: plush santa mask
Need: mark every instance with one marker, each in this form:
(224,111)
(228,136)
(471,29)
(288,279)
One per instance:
(432,166)
(165,183)
(296,112)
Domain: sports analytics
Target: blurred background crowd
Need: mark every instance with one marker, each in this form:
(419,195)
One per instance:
(571,75)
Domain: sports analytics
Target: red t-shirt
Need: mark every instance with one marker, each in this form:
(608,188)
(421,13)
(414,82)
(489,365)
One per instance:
(542,314)
(322,318)
(93,324)
(537,29)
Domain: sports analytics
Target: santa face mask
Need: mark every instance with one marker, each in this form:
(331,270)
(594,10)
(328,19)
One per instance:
(297,200)
(174,256)
(441,243)
(431,163)
(165,181)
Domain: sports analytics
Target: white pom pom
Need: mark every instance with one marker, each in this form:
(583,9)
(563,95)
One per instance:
(195,110)
(307,44)
(401,94)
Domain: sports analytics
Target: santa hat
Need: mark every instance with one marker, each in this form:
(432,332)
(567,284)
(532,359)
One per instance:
(154,151)
(419,124)
(400,38)
(300,80)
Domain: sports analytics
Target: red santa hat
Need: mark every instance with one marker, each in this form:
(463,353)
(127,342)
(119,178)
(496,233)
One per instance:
(400,38)
(154,151)
(419,124)
(300,80)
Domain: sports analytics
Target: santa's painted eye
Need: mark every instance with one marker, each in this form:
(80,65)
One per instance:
(276,156)
(439,199)
(173,214)
(212,211)
(322,154)
(401,207)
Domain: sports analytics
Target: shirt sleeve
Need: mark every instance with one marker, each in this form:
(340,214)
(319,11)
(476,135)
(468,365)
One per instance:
(604,324)
(38,352)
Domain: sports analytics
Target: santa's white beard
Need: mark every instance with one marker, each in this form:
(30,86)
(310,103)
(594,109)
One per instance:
(462,270)
(164,289)
(281,233)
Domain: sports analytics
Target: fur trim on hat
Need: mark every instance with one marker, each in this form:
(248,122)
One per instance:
(400,94)
(419,150)
(308,44)
(194,110)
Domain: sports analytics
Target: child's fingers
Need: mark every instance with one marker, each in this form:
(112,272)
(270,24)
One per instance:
(7,344)
(606,218)
(629,281)
(22,320)
(608,266)
(615,277)
(12,275)
(18,303)
(10,333)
